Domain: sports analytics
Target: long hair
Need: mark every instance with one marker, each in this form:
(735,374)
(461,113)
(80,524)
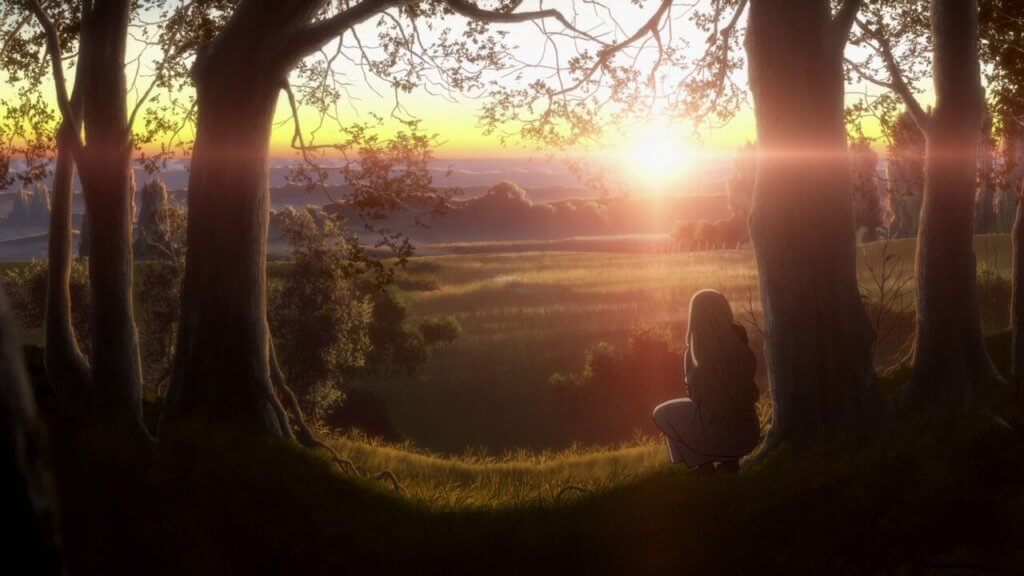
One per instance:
(724,366)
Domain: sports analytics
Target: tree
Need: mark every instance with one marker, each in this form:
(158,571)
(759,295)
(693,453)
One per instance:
(740,188)
(867,208)
(683,233)
(817,336)
(440,331)
(99,108)
(319,319)
(152,239)
(29,519)
(950,358)
(1002,33)
(985,215)
(904,175)
(222,368)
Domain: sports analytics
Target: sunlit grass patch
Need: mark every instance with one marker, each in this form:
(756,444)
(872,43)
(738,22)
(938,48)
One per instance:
(516,478)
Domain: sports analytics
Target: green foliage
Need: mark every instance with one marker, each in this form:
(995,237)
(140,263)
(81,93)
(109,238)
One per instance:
(994,292)
(440,331)
(159,285)
(25,287)
(395,345)
(319,319)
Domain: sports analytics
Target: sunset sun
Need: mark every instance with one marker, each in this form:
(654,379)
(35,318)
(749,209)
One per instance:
(656,157)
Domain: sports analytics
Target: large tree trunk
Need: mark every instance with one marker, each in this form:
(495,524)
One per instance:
(817,335)
(950,358)
(66,366)
(221,370)
(108,186)
(28,520)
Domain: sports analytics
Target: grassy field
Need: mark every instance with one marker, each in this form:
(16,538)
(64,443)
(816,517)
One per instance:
(532,309)
(528,314)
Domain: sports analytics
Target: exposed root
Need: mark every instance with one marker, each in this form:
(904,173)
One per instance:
(392,479)
(305,436)
(572,488)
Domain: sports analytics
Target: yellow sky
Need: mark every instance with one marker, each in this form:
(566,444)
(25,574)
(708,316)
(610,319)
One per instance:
(456,122)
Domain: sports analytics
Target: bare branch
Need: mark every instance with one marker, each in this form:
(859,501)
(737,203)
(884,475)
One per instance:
(470,10)
(899,83)
(605,55)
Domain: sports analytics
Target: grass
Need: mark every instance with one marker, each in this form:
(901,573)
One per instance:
(930,498)
(924,497)
(531,309)
(528,313)
(515,479)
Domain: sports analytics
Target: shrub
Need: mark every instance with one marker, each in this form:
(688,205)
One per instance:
(25,287)
(620,387)
(994,294)
(319,319)
(440,331)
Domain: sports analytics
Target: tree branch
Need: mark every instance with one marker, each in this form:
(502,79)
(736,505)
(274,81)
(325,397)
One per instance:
(898,82)
(606,53)
(314,36)
(845,17)
(14,33)
(53,48)
(470,10)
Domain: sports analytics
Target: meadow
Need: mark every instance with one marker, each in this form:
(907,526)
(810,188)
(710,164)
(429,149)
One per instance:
(529,310)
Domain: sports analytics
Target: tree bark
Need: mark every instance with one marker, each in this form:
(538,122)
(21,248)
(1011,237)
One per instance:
(984,202)
(1017,301)
(108,185)
(28,503)
(950,357)
(817,335)
(66,367)
(221,369)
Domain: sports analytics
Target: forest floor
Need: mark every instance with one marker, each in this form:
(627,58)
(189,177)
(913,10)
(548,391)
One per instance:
(921,498)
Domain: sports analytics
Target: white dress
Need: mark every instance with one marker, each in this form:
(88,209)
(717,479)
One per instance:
(695,436)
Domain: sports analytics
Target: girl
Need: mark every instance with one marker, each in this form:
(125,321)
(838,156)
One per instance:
(717,422)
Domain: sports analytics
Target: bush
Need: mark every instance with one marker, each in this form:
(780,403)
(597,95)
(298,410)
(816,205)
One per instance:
(319,319)
(395,346)
(440,331)
(994,294)
(25,287)
(619,387)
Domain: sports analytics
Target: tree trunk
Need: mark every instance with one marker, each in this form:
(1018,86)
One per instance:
(817,335)
(66,367)
(107,183)
(221,369)
(29,508)
(984,202)
(1017,301)
(950,358)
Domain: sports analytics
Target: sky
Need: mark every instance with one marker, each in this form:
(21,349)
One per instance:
(642,146)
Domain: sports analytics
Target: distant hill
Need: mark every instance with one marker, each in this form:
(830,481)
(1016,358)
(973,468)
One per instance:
(506,212)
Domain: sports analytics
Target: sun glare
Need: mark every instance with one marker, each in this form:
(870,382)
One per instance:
(657,158)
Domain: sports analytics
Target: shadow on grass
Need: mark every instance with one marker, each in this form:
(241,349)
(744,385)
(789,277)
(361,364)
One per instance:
(931,499)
